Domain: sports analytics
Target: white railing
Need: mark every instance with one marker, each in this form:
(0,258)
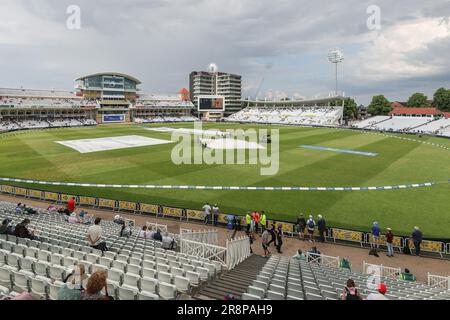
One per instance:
(153,226)
(439,281)
(328,261)
(204,236)
(203,250)
(382,271)
(237,251)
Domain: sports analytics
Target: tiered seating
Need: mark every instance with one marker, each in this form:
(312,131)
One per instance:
(434,127)
(370,122)
(401,123)
(288,278)
(165,119)
(137,268)
(49,123)
(289,115)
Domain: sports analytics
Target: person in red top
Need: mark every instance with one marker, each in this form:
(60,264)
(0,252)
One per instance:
(256,217)
(71,205)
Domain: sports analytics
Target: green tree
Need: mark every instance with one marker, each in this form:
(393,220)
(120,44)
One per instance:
(379,106)
(441,99)
(350,108)
(418,100)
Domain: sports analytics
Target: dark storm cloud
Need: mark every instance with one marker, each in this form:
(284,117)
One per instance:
(285,42)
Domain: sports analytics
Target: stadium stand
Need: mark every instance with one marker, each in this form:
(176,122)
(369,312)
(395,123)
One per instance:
(324,116)
(370,122)
(284,278)
(138,268)
(401,123)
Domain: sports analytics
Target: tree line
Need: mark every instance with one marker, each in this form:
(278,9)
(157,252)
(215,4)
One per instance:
(381,106)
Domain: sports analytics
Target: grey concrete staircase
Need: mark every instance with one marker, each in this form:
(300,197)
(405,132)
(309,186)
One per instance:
(233,282)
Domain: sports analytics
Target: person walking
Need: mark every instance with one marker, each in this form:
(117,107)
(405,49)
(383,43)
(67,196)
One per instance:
(272,232)
(417,238)
(279,238)
(215,211)
(207,212)
(248,220)
(264,241)
(311,225)
(322,226)
(301,225)
(390,242)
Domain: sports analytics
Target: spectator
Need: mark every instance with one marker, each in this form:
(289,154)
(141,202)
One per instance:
(230,224)
(19,208)
(250,239)
(6,227)
(299,255)
(143,233)
(300,227)
(74,284)
(73,218)
(125,231)
(168,242)
(314,254)
(279,238)
(345,264)
(21,230)
(27,210)
(322,226)
(215,211)
(52,209)
(71,205)
(94,236)
(311,225)
(207,212)
(118,219)
(256,219)
(375,244)
(407,276)
(236,226)
(382,289)
(263,221)
(265,240)
(273,235)
(417,239)
(95,285)
(157,236)
(350,291)
(390,242)
(248,220)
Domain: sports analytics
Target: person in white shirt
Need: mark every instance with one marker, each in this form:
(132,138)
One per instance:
(215,211)
(207,212)
(94,236)
(144,233)
(380,295)
(168,242)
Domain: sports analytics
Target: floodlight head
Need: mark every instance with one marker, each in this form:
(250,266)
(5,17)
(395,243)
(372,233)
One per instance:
(335,55)
(213,68)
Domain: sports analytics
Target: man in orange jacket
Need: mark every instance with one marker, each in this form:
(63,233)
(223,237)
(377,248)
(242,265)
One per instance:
(256,217)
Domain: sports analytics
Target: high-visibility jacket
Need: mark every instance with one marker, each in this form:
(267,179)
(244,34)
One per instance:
(263,219)
(248,219)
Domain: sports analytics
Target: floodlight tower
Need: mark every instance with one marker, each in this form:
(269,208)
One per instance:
(336,56)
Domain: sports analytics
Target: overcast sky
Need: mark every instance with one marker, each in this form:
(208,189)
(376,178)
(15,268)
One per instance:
(284,42)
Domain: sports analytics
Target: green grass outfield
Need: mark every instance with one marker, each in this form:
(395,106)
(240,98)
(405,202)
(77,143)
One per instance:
(35,155)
